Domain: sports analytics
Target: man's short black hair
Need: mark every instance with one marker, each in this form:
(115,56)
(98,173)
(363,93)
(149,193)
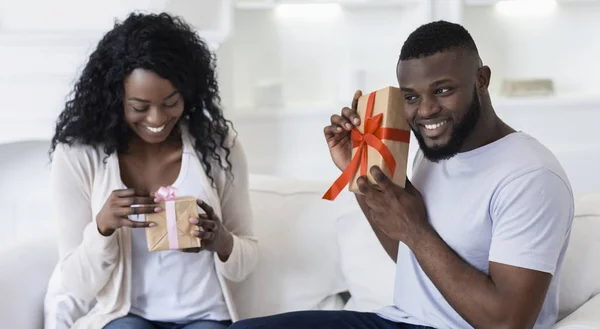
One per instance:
(436,37)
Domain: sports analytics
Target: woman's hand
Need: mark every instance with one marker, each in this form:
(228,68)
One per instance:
(113,214)
(215,237)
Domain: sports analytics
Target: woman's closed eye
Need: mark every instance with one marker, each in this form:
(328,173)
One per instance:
(172,104)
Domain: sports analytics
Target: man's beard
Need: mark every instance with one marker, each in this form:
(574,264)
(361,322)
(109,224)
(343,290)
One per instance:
(460,132)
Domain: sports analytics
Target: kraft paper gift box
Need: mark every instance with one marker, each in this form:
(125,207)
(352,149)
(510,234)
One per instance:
(173,229)
(382,140)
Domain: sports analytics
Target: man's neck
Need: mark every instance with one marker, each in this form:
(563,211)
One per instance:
(489,129)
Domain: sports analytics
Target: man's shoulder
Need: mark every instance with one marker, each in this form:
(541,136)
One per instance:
(524,155)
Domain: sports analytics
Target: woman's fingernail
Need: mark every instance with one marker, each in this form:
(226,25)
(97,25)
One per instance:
(201,229)
(349,126)
(195,233)
(356,121)
(152,224)
(338,129)
(157,209)
(156,200)
(194,220)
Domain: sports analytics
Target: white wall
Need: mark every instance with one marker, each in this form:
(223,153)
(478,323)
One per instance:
(318,59)
(560,45)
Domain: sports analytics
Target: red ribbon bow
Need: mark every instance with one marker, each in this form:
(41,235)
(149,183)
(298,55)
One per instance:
(373,136)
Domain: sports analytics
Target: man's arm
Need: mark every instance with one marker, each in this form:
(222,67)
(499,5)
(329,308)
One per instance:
(532,217)
(390,245)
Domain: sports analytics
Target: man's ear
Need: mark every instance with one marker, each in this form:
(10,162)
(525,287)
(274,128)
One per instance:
(484,74)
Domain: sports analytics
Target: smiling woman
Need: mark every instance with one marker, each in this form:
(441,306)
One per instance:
(144,117)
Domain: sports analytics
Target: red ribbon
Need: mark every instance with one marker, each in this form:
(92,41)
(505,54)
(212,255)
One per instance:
(373,136)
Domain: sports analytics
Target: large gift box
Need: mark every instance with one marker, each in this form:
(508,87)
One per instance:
(173,229)
(382,140)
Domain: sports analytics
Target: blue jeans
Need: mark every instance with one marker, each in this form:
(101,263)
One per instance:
(132,321)
(323,320)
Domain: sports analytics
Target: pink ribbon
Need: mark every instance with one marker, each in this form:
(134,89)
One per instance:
(168,195)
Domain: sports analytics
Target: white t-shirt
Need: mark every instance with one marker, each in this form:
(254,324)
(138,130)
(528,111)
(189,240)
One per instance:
(171,285)
(508,202)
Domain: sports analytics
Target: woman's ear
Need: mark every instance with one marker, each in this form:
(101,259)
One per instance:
(484,75)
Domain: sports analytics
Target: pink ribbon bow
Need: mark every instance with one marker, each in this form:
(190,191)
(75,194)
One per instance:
(167,194)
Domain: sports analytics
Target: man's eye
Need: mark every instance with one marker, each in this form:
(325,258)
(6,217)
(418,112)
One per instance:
(410,98)
(442,90)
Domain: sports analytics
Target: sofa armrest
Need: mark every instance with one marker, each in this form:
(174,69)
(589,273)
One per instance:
(26,270)
(585,317)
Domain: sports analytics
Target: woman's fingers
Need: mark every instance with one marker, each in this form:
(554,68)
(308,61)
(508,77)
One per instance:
(136,210)
(130,223)
(135,200)
(204,235)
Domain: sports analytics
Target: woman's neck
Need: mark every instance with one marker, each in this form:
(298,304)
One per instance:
(139,147)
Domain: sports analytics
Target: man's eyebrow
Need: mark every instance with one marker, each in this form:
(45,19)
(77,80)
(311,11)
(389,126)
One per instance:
(440,82)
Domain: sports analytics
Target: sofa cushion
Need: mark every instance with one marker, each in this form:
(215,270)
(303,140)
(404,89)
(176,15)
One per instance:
(580,275)
(299,264)
(367,268)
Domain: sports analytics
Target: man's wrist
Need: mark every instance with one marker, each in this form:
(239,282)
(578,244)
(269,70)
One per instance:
(421,237)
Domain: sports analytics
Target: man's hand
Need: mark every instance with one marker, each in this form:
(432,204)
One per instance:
(338,133)
(398,212)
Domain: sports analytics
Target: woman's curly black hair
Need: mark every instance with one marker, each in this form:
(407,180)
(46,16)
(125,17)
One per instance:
(166,45)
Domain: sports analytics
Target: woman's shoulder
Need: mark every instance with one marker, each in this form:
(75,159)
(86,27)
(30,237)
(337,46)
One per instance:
(79,154)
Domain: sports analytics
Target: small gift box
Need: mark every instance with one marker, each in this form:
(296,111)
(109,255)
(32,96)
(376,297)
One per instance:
(382,140)
(173,229)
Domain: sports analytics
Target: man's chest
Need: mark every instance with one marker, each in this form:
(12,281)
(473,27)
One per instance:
(458,208)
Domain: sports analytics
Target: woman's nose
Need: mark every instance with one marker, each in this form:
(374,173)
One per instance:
(155,116)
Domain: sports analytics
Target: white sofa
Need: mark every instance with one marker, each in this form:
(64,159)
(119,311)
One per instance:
(313,252)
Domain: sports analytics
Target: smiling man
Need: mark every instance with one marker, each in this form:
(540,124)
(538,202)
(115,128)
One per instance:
(480,234)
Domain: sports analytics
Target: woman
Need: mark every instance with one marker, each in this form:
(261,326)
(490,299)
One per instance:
(145,114)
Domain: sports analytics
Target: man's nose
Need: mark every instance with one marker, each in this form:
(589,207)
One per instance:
(429,107)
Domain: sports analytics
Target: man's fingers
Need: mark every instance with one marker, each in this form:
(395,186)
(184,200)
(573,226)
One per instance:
(365,187)
(357,95)
(130,223)
(207,209)
(351,115)
(331,130)
(342,122)
(382,179)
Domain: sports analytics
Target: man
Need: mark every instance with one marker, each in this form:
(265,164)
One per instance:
(480,235)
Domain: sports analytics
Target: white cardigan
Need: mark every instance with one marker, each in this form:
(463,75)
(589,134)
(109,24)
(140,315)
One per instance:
(93,266)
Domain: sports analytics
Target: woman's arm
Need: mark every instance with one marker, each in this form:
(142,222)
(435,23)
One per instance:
(87,258)
(237,218)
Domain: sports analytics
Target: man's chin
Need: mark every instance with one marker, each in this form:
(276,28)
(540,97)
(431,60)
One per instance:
(436,151)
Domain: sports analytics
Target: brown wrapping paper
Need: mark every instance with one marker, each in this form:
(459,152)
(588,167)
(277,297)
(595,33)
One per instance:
(158,236)
(388,101)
